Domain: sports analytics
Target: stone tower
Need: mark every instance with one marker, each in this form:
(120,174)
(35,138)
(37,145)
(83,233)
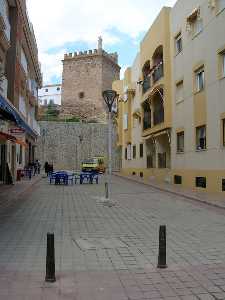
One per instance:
(85,75)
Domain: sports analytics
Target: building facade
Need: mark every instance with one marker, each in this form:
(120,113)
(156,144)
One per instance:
(85,75)
(198,78)
(175,90)
(145,106)
(20,80)
(50,94)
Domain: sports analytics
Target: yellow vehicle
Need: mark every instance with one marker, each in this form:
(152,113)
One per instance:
(95,164)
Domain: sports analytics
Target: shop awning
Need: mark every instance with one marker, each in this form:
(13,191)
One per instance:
(12,138)
(13,115)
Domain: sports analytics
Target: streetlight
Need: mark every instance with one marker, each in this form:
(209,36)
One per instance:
(109,97)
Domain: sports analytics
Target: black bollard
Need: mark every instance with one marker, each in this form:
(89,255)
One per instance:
(162,248)
(106,190)
(50,259)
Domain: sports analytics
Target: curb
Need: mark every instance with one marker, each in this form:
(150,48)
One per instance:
(171,192)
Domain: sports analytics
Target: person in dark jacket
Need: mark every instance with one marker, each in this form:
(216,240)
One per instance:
(46,166)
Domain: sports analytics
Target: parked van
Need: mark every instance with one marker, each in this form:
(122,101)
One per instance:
(96,164)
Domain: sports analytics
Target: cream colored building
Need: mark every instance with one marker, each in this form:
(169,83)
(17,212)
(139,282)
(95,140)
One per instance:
(172,99)
(198,78)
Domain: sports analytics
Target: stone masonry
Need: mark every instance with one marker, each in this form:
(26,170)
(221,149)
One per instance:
(67,144)
(85,75)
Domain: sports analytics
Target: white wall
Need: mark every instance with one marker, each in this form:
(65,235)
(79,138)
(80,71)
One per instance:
(50,92)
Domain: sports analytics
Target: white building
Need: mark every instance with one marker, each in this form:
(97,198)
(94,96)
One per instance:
(50,94)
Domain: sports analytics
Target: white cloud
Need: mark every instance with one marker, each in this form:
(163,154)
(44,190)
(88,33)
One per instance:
(58,22)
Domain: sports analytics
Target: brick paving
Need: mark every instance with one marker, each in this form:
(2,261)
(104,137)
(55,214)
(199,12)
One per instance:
(110,253)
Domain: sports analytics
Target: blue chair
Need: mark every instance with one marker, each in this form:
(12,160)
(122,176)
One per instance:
(94,177)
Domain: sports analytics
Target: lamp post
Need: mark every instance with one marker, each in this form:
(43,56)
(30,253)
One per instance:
(109,97)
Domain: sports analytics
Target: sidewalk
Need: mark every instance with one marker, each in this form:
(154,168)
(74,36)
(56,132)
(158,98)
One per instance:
(10,193)
(214,199)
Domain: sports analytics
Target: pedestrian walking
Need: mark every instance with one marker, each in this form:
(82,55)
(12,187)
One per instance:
(36,167)
(46,167)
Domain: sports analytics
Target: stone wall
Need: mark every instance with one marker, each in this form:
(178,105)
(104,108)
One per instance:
(67,144)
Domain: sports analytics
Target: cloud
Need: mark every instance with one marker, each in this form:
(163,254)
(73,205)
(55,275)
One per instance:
(57,23)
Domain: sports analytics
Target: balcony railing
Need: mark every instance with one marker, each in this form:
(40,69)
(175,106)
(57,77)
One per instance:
(158,117)
(147,120)
(4,86)
(146,84)
(3,12)
(158,73)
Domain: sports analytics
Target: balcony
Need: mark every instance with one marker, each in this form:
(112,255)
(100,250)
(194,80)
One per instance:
(158,117)
(5,19)
(4,86)
(146,84)
(158,72)
(147,116)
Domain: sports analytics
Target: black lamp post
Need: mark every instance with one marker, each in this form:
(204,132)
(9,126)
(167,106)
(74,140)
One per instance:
(109,97)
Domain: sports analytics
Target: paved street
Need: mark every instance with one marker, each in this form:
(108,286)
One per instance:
(110,253)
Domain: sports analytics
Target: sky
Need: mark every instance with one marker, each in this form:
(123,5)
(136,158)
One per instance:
(74,25)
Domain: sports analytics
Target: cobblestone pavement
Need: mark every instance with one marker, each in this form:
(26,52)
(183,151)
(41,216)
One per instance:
(110,253)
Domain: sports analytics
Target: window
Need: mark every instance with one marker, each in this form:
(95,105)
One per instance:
(197,26)
(162,160)
(179,91)
(200,79)
(201,138)
(46,90)
(141,174)
(20,155)
(178,43)
(200,182)
(141,150)
(177,179)
(125,121)
(81,95)
(221,5)
(223,185)
(180,142)
(134,152)
(195,22)
(129,151)
(23,61)
(223,128)
(223,63)
(126,153)
(58,89)
(22,105)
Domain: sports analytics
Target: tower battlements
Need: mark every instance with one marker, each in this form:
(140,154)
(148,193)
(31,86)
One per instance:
(91,53)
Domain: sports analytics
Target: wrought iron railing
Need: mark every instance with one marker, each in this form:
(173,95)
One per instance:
(146,84)
(158,72)
(158,116)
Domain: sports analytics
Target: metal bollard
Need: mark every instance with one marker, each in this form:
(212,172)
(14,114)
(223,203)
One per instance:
(106,190)
(162,248)
(50,259)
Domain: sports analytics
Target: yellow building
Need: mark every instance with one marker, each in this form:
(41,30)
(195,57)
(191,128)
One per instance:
(171,110)
(144,110)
